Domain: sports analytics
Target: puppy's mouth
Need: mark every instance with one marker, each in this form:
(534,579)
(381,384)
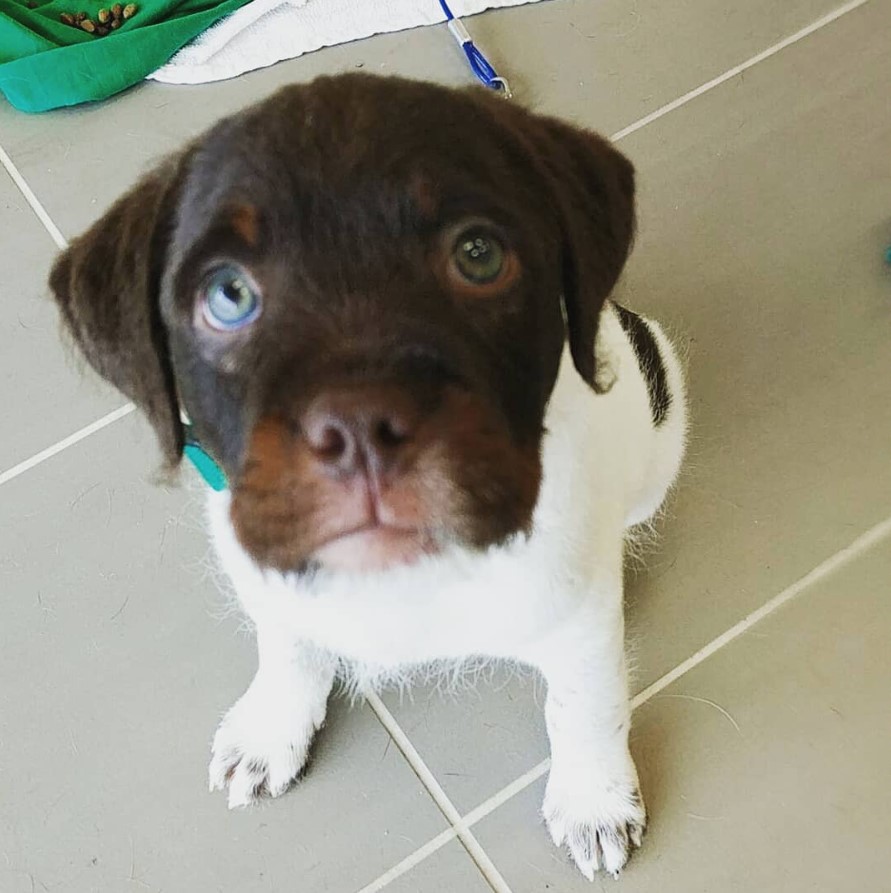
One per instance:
(375,546)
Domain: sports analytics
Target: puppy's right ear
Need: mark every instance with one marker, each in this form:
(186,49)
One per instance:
(107,287)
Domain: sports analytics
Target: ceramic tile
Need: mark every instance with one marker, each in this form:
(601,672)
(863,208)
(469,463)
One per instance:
(448,869)
(118,657)
(764,768)
(42,393)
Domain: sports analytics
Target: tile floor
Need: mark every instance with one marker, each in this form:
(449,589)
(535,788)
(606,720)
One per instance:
(760,619)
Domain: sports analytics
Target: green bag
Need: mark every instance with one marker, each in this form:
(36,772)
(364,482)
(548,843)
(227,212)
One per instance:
(45,64)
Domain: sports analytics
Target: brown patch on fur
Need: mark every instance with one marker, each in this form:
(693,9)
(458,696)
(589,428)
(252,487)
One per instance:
(424,194)
(461,479)
(272,498)
(245,220)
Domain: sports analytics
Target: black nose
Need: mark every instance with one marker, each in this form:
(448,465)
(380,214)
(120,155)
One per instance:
(368,429)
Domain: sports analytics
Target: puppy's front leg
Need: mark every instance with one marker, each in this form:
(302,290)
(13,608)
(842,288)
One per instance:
(263,742)
(592,803)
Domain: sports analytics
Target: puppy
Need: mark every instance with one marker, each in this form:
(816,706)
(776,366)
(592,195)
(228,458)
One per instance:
(382,305)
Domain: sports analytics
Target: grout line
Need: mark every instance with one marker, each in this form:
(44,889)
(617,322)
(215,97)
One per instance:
(409,862)
(845,556)
(388,721)
(826,568)
(739,69)
(446,807)
(33,201)
(481,859)
(63,444)
(507,792)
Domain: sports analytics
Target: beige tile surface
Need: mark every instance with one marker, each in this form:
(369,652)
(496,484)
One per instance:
(448,869)
(765,768)
(611,62)
(765,211)
(479,737)
(117,660)
(42,393)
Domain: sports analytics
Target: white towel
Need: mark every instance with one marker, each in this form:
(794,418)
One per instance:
(264,32)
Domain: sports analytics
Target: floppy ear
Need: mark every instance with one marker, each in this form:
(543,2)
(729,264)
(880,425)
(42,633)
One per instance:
(592,185)
(107,287)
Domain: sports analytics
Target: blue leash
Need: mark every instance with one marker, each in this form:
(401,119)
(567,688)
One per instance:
(479,64)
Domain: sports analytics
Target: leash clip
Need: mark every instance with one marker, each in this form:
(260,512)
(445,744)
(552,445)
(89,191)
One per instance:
(204,463)
(479,64)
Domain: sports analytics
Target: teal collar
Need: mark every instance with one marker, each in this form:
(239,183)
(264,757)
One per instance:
(213,475)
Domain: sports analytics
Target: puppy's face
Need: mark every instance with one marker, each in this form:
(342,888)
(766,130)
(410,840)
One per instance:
(357,292)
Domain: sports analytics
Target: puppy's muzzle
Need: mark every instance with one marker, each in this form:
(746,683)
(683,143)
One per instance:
(363,440)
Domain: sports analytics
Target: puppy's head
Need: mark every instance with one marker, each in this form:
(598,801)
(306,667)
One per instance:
(359,291)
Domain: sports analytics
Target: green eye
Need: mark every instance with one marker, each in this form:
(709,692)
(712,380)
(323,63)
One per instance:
(479,256)
(230,299)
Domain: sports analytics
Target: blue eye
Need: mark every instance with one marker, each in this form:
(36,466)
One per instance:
(230,299)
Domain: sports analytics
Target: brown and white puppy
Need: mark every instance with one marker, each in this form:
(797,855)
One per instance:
(359,292)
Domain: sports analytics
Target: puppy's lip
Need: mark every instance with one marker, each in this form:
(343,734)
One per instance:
(375,546)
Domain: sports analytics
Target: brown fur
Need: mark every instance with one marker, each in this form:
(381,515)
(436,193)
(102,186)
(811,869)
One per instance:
(342,199)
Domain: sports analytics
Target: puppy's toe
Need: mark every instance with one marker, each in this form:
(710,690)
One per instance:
(594,846)
(247,783)
(600,847)
(255,772)
(600,829)
(284,768)
(222,765)
(259,750)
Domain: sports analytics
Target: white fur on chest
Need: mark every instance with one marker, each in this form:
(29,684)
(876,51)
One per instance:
(605,466)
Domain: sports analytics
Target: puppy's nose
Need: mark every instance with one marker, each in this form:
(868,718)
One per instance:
(352,431)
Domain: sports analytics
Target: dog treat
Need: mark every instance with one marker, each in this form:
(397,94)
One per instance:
(108,19)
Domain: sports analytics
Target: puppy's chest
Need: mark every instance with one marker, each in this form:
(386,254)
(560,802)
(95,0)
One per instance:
(449,608)
(499,602)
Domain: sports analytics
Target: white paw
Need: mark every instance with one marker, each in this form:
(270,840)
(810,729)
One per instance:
(262,744)
(600,823)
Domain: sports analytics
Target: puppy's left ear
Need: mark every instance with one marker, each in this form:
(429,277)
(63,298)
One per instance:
(107,286)
(592,186)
